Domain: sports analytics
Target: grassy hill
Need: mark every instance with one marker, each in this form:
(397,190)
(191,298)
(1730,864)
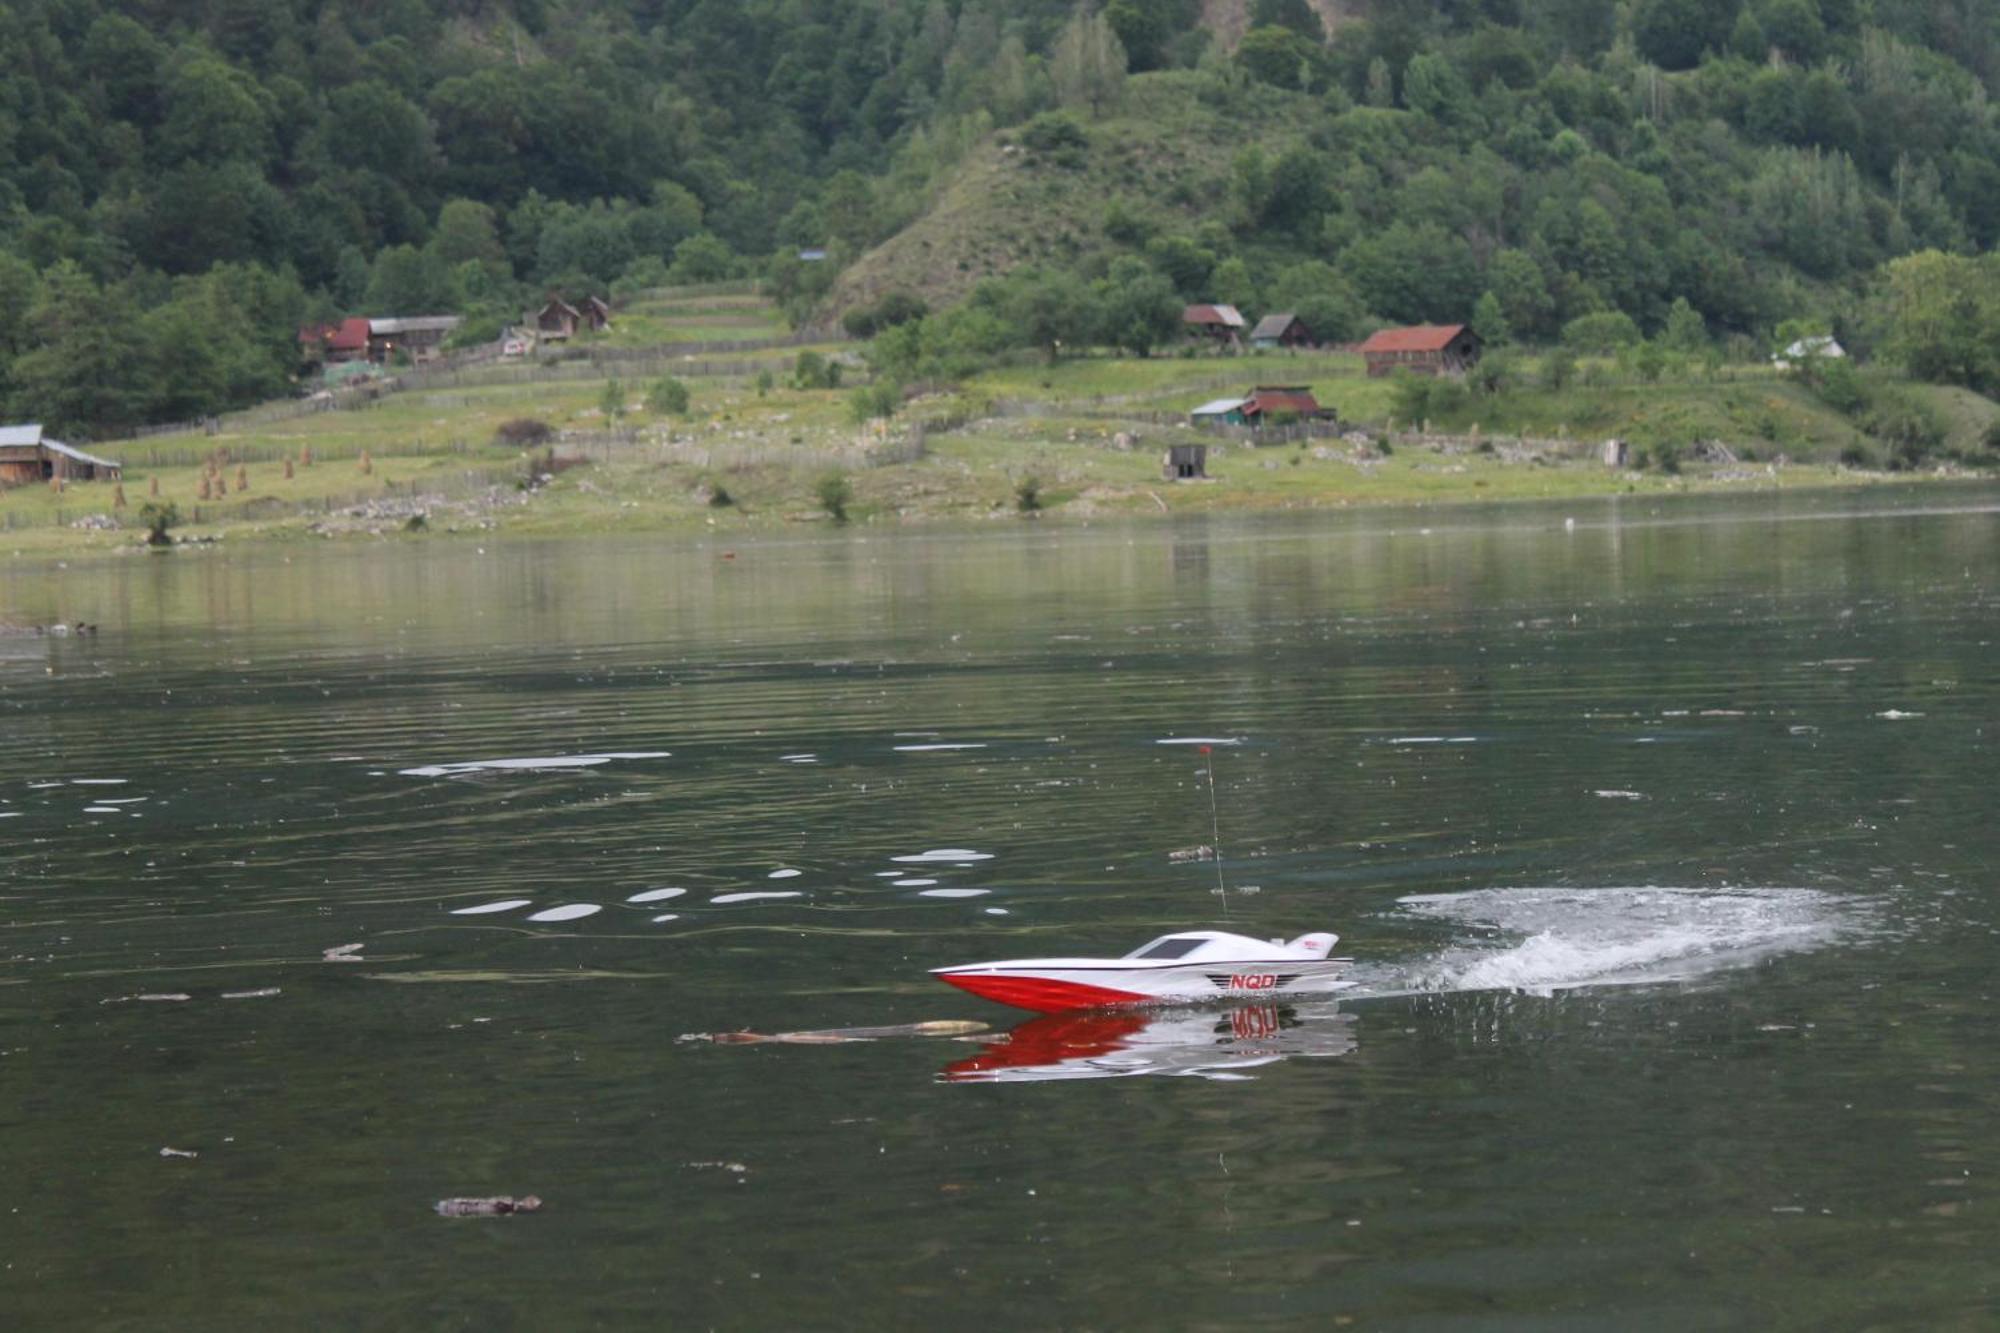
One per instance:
(1168,151)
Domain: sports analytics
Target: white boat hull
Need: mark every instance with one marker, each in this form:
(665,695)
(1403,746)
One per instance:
(1227,968)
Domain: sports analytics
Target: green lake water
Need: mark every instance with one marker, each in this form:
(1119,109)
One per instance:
(1663,835)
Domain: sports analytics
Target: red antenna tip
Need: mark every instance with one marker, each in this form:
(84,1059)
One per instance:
(1205,749)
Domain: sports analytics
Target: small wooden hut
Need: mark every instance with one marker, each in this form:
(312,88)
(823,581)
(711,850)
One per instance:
(27,455)
(1185,462)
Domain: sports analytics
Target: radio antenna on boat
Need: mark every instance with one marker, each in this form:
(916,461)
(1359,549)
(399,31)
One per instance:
(1215,830)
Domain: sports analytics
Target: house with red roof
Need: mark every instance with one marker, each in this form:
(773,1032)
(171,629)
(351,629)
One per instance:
(1222,324)
(1264,405)
(341,340)
(1423,349)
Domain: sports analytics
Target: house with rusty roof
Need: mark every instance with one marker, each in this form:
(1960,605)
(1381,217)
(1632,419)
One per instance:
(27,455)
(1266,404)
(1422,349)
(1223,325)
(335,342)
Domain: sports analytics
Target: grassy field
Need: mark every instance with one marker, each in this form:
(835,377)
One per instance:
(1084,437)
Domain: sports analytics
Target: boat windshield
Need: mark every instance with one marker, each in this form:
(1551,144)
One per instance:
(1174,946)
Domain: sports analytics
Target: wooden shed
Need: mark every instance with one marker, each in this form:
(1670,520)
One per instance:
(27,455)
(419,337)
(1422,349)
(1185,462)
(556,320)
(1282,330)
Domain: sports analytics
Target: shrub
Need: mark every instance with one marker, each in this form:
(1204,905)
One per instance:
(522,430)
(1602,333)
(1028,494)
(765,383)
(719,497)
(1558,368)
(1839,387)
(880,399)
(158,516)
(835,495)
(668,395)
(1059,134)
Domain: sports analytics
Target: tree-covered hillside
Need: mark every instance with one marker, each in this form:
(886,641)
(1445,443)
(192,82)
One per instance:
(182,184)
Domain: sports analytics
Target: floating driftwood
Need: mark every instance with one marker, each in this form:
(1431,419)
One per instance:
(179,1152)
(939,1027)
(1204,852)
(343,953)
(493,1207)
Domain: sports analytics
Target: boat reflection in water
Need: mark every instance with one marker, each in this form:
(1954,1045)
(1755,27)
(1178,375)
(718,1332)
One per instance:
(1122,1043)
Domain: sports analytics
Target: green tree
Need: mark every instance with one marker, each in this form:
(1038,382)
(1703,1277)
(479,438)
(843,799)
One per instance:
(1686,331)
(1489,321)
(1138,308)
(1088,63)
(78,375)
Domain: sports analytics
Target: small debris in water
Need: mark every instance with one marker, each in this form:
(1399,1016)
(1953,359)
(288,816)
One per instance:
(1613,794)
(734,1168)
(251,994)
(179,1152)
(1179,855)
(940,1027)
(494,1207)
(1897,714)
(343,953)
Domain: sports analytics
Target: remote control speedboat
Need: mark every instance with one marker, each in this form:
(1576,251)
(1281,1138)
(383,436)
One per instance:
(1187,967)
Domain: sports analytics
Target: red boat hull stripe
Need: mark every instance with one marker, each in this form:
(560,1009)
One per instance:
(1040,993)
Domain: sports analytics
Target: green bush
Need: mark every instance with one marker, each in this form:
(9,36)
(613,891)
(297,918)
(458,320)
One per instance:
(880,399)
(158,516)
(1059,135)
(668,395)
(835,495)
(1028,494)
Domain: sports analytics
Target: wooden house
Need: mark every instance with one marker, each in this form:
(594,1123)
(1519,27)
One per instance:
(596,313)
(1424,349)
(27,455)
(1268,402)
(1263,405)
(557,320)
(419,337)
(342,340)
(1277,331)
(1220,324)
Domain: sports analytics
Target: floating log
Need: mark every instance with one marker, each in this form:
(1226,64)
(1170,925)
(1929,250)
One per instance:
(498,1206)
(939,1027)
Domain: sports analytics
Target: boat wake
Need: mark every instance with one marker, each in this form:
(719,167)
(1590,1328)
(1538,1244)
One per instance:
(1543,940)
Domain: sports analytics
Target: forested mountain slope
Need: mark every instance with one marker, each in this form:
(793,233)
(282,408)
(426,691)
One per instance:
(181,184)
